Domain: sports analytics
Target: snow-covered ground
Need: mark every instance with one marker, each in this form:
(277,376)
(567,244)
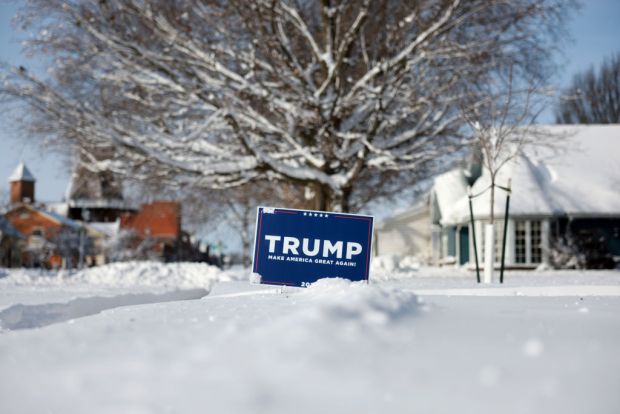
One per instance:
(188,338)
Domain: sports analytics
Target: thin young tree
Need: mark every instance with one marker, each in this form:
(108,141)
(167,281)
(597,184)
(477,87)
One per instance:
(503,126)
(348,98)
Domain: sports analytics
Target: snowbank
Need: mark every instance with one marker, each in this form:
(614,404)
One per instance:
(387,267)
(123,274)
(35,316)
(337,346)
(336,299)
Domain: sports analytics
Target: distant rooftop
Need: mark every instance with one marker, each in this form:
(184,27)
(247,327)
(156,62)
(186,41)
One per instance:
(101,203)
(22,173)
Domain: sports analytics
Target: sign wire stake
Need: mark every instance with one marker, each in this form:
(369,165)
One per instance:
(473,233)
(501,272)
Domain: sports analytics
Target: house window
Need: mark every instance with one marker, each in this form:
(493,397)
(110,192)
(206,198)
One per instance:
(536,239)
(528,242)
(520,242)
(37,232)
(528,238)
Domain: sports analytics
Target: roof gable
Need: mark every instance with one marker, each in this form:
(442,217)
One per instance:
(448,188)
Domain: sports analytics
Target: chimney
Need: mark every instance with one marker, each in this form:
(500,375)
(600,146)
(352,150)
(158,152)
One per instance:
(22,185)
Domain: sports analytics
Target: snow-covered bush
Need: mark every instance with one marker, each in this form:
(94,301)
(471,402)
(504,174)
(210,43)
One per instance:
(393,263)
(126,246)
(565,254)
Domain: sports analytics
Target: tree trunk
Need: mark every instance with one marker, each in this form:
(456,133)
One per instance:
(245,236)
(489,238)
(326,199)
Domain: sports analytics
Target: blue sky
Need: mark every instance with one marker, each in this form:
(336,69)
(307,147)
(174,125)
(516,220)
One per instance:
(595,31)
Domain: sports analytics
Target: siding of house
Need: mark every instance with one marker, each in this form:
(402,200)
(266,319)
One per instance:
(407,236)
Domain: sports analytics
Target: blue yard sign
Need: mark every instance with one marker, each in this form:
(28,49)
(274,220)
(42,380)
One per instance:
(299,247)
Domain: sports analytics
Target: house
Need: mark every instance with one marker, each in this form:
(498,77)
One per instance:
(564,201)
(121,230)
(95,197)
(95,226)
(51,240)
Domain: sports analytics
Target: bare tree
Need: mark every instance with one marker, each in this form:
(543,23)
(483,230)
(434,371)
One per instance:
(503,125)
(593,97)
(348,98)
(235,209)
(242,214)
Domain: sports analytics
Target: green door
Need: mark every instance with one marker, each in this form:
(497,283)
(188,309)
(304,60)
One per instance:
(464,245)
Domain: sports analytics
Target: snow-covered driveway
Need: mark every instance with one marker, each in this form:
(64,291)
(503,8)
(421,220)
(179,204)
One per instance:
(334,347)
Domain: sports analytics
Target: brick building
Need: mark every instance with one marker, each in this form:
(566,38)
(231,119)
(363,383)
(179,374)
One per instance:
(158,224)
(52,240)
(96,225)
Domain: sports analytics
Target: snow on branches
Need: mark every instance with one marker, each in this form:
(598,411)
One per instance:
(334,95)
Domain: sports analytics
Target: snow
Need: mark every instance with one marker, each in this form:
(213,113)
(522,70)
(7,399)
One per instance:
(122,274)
(33,316)
(448,189)
(62,219)
(108,229)
(144,337)
(21,173)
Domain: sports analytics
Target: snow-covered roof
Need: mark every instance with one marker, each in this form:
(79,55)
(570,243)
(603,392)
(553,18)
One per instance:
(21,173)
(102,203)
(58,208)
(62,219)
(579,178)
(448,188)
(107,229)
(59,218)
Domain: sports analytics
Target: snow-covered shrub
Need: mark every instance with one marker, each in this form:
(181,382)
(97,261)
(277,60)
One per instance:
(388,263)
(126,246)
(586,248)
(566,254)
(393,266)
(409,263)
